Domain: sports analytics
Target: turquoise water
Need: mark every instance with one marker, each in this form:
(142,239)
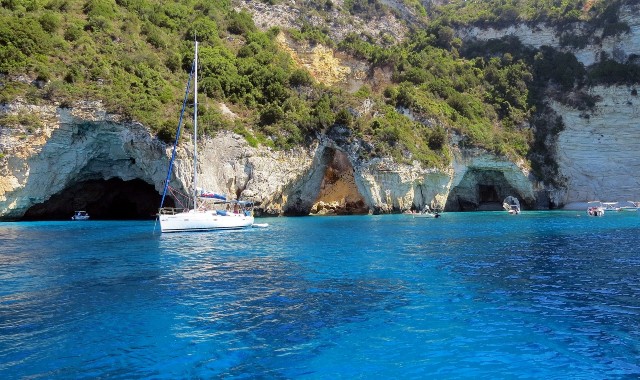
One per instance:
(541,295)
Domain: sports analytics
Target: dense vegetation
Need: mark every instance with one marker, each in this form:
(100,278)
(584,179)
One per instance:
(135,55)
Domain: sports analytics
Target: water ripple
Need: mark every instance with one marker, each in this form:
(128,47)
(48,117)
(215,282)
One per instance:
(481,295)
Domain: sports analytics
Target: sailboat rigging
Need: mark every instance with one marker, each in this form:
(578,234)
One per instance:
(206,215)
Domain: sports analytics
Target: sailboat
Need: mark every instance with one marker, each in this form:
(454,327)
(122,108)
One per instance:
(204,210)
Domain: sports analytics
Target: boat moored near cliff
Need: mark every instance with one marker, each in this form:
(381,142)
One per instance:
(633,206)
(218,216)
(511,204)
(198,214)
(80,215)
(596,210)
(610,206)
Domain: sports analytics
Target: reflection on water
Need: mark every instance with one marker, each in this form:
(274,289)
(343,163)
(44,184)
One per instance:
(544,295)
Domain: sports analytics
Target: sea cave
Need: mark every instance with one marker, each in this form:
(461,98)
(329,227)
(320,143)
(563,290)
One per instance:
(480,190)
(112,199)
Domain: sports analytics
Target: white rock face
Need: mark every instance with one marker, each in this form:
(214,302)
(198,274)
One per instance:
(388,186)
(88,144)
(599,150)
(620,47)
(230,166)
(73,146)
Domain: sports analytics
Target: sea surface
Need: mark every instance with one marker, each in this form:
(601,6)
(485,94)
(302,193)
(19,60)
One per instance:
(485,295)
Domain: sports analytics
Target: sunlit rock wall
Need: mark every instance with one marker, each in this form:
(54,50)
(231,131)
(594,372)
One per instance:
(85,143)
(599,150)
(392,187)
(597,159)
(230,166)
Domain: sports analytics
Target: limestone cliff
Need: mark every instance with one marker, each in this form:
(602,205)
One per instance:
(293,14)
(598,150)
(85,158)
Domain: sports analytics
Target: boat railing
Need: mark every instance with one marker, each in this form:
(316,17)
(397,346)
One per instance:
(170,210)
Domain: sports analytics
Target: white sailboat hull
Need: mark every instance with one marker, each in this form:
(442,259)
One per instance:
(203,221)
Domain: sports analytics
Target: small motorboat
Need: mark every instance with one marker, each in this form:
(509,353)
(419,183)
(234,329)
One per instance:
(511,204)
(80,215)
(427,212)
(635,206)
(596,210)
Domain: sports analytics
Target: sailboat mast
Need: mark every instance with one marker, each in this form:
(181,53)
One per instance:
(195,132)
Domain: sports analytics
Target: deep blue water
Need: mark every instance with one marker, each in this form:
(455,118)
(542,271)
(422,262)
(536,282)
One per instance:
(541,295)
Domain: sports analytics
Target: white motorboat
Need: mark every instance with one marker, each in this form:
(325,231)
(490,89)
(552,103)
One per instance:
(426,212)
(633,207)
(596,210)
(80,215)
(511,204)
(610,206)
(203,211)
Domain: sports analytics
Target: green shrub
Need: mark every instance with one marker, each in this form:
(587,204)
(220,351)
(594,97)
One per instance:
(155,36)
(203,29)
(105,9)
(313,34)
(73,32)
(609,72)
(166,132)
(26,34)
(615,28)
(12,60)
(57,5)
(50,22)
(300,77)
(344,117)
(240,23)
(571,39)
(271,114)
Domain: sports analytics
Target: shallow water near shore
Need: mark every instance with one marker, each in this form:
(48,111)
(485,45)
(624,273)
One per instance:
(469,295)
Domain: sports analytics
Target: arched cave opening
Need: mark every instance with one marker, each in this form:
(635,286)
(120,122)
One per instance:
(329,188)
(112,199)
(339,194)
(480,190)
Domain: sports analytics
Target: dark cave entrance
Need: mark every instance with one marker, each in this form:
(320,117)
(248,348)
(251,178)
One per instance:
(112,199)
(488,194)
